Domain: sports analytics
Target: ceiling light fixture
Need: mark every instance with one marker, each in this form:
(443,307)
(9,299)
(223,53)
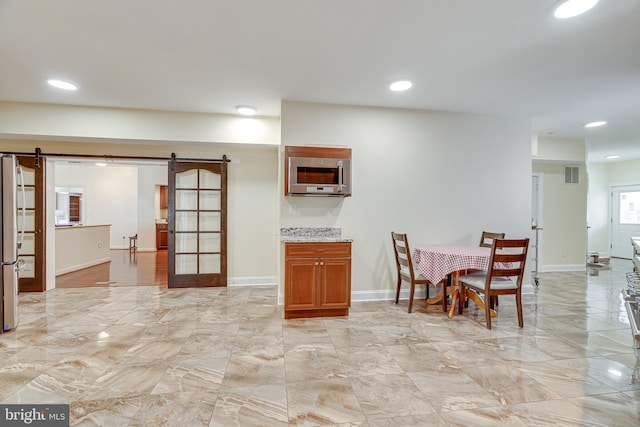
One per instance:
(571,8)
(101,164)
(613,156)
(595,124)
(62,84)
(246,110)
(400,85)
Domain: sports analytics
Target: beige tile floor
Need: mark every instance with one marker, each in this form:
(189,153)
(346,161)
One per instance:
(149,356)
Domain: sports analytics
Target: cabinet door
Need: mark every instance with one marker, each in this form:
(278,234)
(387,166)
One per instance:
(164,197)
(162,236)
(335,291)
(301,278)
(164,239)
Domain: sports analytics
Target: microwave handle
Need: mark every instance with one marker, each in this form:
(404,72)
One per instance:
(340,171)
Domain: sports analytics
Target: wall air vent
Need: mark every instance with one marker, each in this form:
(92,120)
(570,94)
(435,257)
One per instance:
(571,174)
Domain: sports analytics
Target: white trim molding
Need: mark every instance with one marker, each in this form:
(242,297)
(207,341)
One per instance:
(252,281)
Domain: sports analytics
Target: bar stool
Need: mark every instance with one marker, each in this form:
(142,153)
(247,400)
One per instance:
(133,243)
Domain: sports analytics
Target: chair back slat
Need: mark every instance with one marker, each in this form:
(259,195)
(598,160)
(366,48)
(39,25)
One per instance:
(508,272)
(487,238)
(507,257)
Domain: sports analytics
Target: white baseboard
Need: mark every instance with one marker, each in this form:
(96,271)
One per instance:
(81,266)
(563,267)
(390,294)
(252,281)
(527,289)
(126,248)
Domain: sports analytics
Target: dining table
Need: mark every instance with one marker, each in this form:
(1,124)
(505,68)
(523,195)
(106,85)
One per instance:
(436,262)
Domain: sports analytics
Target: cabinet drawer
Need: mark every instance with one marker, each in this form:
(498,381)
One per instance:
(162,226)
(316,249)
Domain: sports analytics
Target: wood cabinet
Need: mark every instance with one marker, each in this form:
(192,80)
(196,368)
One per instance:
(162,235)
(74,209)
(164,197)
(317,279)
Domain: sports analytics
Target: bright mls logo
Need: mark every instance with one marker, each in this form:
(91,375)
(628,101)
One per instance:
(34,415)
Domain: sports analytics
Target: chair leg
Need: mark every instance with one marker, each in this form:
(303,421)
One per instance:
(413,288)
(461,299)
(519,307)
(445,296)
(398,288)
(487,312)
(494,301)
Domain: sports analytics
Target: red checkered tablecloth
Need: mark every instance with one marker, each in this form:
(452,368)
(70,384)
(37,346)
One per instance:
(435,262)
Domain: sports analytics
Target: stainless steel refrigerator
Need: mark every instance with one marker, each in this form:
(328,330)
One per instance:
(10,243)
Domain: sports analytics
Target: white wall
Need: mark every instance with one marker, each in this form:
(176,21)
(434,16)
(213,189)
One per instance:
(252,220)
(103,124)
(624,173)
(110,196)
(50,237)
(567,150)
(440,177)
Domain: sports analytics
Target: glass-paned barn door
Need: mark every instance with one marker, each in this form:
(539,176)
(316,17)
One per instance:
(197,209)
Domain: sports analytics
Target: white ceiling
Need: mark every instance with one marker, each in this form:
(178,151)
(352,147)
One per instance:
(507,57)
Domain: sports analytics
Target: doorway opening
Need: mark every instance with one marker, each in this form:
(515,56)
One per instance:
(82,211)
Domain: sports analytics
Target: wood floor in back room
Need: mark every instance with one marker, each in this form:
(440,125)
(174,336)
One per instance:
(125,269)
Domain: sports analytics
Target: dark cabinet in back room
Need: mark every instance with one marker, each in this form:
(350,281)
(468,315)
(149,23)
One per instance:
(162,235)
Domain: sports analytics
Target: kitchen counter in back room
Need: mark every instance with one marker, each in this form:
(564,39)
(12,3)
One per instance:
(81,246)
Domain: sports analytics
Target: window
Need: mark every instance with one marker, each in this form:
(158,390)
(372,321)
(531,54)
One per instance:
(630,207)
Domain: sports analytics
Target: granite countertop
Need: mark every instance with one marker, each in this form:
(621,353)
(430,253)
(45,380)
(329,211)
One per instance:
(312,234)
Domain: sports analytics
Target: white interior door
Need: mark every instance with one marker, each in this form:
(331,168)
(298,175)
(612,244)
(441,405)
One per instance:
(625,219)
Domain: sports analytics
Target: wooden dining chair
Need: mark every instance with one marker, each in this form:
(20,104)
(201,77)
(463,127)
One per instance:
(504,276)
(406,271)
(486,241)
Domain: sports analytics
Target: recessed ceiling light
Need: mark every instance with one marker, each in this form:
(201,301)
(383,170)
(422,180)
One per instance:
(400,85)
(571,8)
(101,164)
(246,110)
(595,124)
(62,84)
(613,156)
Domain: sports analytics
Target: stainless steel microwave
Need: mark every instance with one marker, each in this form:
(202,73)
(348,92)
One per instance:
(319,176)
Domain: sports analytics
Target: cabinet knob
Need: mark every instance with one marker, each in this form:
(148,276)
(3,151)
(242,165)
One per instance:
(316,263)
(321,263)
